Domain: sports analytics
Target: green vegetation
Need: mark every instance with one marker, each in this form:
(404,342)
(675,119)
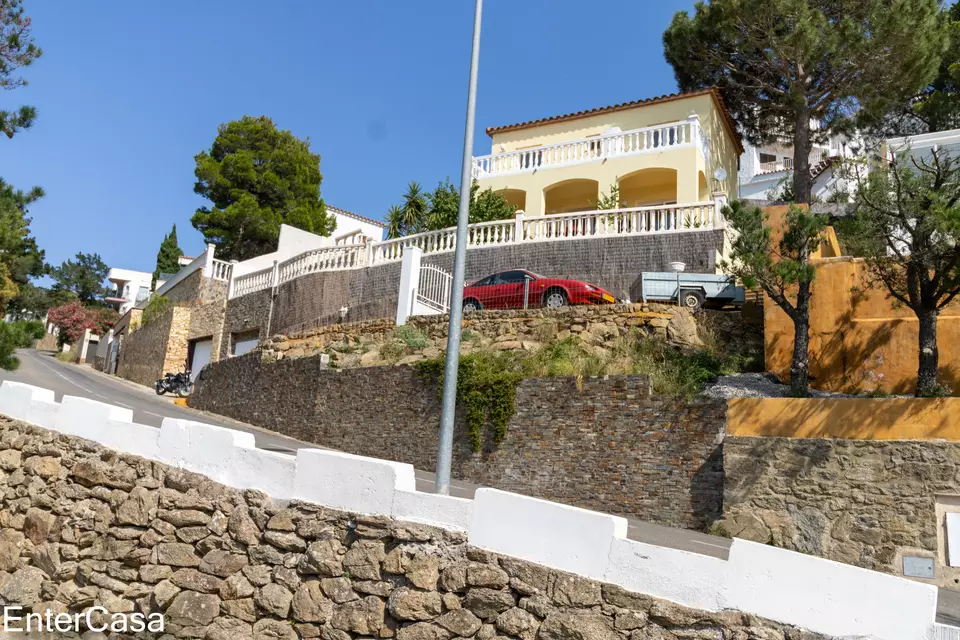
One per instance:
(781,268)
(168,257)
(487,380)
(18,51)
(257,177)
(65,356)
(412,337)
(423,211)
(82,278)
(908,216)
(156,307)
(782,64)
(17,335)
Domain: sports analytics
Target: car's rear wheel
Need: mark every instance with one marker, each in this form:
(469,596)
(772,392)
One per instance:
(471,304)
(554,299)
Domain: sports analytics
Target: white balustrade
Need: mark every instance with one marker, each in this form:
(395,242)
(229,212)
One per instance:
(327,259)
(253,282)
(621,222)
(221,270)
(622,143)
(434,287)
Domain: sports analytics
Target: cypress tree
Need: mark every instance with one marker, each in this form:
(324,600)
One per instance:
(169,255)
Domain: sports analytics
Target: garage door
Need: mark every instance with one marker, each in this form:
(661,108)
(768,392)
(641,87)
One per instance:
(242,345)
(201,356)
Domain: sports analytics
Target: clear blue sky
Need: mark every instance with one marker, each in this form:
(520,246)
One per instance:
(129,92)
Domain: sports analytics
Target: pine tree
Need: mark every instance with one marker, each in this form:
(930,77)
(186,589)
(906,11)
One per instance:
(783,65)
(169,255)
(17,50)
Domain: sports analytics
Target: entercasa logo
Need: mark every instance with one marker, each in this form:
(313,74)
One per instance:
(14,619)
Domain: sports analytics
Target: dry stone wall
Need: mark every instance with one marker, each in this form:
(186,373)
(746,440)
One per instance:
(83,526)
(600,443)
(374,342)
(861,502)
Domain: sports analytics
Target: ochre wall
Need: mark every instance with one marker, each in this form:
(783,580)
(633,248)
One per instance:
(850,418)
(859,340)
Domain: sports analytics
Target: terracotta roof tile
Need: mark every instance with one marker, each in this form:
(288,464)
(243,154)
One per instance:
(628,105)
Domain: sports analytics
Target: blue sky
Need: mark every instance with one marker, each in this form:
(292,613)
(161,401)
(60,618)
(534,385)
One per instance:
(129,92)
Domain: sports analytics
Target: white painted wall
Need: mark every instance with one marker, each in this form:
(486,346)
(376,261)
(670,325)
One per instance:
(292,242)
(816,594)
(347,223)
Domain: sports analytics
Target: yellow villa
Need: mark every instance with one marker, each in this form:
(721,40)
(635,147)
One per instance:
(665,152)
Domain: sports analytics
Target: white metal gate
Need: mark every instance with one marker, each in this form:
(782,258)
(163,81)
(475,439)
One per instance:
(433,289)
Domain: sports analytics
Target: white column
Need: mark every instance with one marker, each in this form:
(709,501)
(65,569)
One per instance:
(208,260)
(409,280)
(233,276)
(518,229)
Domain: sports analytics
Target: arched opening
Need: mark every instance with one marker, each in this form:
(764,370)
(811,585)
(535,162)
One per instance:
(648,187)
(516,197)
(704,188)
(571,195)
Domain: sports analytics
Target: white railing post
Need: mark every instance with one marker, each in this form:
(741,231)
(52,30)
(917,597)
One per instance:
(518,226)
(275,276)
(409,280)
(208,260)
(694,121)
(231,279)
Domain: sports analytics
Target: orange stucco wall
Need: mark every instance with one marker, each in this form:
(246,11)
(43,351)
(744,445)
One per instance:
(847,418)
(859,340)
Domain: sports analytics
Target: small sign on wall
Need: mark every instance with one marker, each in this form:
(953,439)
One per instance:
(917,567)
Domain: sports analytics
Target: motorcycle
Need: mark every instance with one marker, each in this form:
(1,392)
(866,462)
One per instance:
(179,383)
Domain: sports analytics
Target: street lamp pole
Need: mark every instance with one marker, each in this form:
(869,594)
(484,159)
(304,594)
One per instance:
(448,409)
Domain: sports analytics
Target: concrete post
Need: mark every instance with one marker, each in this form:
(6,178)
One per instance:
(208,260)
(518,229)
(409,281)
(233,276)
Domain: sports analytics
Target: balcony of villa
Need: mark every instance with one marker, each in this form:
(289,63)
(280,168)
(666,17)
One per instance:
(659,139)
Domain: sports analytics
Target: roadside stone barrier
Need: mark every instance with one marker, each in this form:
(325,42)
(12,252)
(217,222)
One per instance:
(233,542)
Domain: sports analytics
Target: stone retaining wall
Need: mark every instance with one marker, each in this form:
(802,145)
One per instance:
(866,503)
(374,342)
(98,527)
(156,348)
(602,444)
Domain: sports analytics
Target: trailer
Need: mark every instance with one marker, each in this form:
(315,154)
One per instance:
(692,290)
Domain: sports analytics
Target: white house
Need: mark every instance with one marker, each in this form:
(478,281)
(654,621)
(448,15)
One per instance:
(130,288)
(764,170)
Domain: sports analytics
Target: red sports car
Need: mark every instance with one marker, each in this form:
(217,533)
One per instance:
(519,288)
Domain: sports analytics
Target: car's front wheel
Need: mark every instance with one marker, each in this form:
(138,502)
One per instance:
(470,305)
(554,299)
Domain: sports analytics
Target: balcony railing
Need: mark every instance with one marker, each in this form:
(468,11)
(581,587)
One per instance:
(221,270)
(674,135)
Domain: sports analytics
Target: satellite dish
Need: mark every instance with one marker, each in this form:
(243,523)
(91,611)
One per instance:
(720,173)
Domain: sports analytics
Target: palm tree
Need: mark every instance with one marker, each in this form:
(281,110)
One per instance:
(415,207)
(395,228)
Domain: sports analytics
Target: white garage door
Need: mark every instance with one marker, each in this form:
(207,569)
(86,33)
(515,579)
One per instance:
(245,345)
(201,356)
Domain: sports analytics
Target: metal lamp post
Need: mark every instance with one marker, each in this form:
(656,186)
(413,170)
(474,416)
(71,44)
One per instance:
(449,405)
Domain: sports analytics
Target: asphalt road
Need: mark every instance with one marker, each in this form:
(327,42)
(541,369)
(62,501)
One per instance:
(41,369)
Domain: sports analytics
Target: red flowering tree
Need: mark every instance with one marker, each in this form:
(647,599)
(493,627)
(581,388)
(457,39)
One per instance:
(73,319)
